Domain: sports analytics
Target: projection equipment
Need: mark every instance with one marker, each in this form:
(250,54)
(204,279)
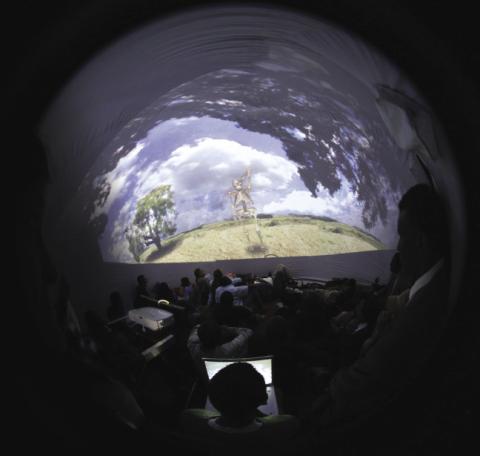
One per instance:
(151,318)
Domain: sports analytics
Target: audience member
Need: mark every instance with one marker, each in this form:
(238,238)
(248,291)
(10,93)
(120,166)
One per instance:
(140,290)
(238,292)
(155,392)
(402,278)
(275,337)
(116,309)
(239,427)
(311,317)
(185,293)
(282,278)
(211,340)
(114,348)
(395,358)
(202,288)
(161,290)
(228,314)
(214,284)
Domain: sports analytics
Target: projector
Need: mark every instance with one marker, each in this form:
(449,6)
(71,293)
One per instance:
(151,318)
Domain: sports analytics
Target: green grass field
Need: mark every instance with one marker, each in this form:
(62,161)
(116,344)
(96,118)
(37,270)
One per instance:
(276,236)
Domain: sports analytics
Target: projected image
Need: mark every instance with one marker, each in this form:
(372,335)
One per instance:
(208,172)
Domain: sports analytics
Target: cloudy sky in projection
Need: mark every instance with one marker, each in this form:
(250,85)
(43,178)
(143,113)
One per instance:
(201,172)
(315,144)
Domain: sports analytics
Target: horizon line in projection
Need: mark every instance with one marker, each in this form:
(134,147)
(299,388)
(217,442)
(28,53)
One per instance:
(195,204)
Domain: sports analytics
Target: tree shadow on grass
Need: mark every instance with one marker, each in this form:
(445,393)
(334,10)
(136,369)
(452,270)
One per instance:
(256,249)
(166,249)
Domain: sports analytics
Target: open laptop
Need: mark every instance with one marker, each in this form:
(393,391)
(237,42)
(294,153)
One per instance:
(262,364)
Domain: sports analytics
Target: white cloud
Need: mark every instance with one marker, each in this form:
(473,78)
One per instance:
(342,206)
(225,101)
(296,133)
(181,122)
(117,187)
(220,166)
(212,164)
(299,201)
(261,181)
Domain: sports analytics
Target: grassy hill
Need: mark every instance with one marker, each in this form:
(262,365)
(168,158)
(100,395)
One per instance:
(276,236)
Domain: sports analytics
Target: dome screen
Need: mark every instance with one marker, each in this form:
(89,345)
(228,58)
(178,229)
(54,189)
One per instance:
(206,188)
(254,143)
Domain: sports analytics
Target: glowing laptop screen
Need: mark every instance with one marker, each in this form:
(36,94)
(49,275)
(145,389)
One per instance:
(263,366)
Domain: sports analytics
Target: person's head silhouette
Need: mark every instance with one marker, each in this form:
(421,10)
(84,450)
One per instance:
(422,229)
(142,280)
(236,391)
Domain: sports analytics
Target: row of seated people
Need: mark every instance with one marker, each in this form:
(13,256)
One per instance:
(310,323)
(202,292)
(308,343)
(117,345)
(207,288)
(371,342)
(231,329)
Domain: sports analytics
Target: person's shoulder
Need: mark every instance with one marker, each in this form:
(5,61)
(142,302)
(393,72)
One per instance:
(195,421)
(435,291)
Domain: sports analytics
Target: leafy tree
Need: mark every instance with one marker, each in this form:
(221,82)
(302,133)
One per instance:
(155,215)
(135,244)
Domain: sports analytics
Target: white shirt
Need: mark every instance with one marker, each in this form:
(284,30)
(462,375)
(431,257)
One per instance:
(236,301)
(424,279)
(238,293)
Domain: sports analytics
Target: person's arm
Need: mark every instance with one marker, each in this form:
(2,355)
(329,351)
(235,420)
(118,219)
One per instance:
(239,292)
(228,334)
(218,293)
(193,339)
(237,346)
(393,307)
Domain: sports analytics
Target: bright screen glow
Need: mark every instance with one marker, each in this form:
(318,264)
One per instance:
(263,367)
(205,189)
